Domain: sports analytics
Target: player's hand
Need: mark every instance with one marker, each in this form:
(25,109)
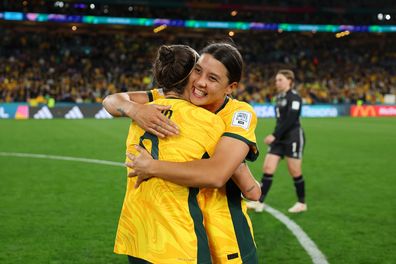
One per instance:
(139,165)
(269,139)
(253,193)
(150,118)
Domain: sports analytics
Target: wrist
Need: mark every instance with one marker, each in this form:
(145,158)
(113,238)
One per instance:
(131,109)
(152,168)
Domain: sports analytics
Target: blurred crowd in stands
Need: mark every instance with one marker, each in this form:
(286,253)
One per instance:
(357,12)
(39,64)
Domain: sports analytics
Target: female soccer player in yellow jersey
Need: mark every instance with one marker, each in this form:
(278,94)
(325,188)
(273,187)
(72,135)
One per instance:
(161,222)
(227,224)
(217,73)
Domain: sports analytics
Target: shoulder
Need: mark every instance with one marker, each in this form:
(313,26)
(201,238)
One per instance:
(162,101)
(189,113)
(234,105)
(294,100)
(239,109)
(195,112)
(155,94)
(239,114)
(202,114)
(204,120)
(293,94)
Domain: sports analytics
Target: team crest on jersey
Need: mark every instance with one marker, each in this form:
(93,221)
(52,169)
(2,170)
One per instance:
(295,105)
(242,119)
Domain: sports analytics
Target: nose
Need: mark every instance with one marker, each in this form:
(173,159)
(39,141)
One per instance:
(200,81)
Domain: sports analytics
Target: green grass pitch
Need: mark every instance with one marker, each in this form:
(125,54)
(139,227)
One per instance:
(67,212)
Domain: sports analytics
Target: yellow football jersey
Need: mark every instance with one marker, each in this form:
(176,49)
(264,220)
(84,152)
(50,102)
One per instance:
(161,222)
(227,223)
(241,121)
(155,94)
(239,117)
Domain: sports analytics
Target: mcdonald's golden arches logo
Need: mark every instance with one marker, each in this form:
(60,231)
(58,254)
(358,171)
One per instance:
(363,111)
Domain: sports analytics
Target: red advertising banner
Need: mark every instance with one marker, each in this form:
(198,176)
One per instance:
(373,110)
(386,110)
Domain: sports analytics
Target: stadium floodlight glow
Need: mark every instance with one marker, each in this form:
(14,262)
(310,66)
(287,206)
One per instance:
(343,34)
(92,6)
(80,6)
(228,25)
(13,16)
(159,28)
(380,16)
(59,4)
(387,17)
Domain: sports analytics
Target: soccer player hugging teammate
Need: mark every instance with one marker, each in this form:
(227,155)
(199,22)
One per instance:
(287,140)
(160,221)
(217,72)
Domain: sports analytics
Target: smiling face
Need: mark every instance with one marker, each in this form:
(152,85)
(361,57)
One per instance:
(210,83)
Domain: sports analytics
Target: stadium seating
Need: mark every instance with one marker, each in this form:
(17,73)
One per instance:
(84,67)
(39,61)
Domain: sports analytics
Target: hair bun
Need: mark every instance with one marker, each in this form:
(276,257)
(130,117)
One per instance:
(166,55)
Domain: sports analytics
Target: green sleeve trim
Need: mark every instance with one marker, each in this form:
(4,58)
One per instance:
(205,156)
(253,151)
(150,96)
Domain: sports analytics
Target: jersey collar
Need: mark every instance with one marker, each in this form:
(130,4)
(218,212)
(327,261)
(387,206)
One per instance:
(223,105)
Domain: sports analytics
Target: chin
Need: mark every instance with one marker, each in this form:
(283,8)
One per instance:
(197,101)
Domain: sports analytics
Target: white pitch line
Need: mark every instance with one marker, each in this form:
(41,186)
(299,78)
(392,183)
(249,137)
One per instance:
(309,246)
(54,157)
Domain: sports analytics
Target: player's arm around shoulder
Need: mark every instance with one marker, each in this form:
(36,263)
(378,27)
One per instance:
(228,156)
(213,172)
(148,117)
(124,104)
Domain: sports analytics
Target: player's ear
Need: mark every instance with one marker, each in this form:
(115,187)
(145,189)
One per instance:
(231,87)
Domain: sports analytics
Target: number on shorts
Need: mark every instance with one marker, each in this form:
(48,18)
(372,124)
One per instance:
(294,147)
